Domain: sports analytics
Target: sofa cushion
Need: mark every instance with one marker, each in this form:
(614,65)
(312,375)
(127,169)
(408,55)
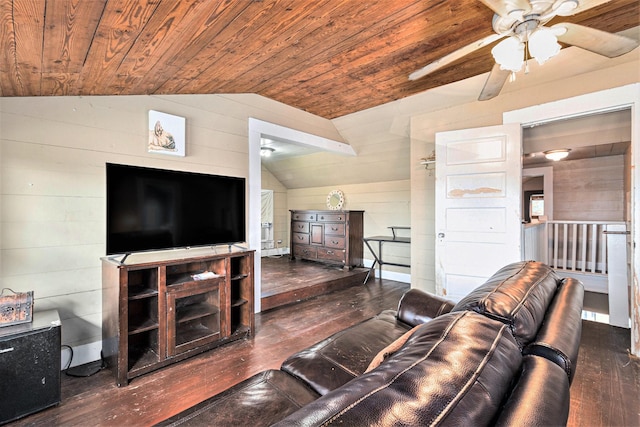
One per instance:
(261,400)
(517,295)
(389,350)
(540,397)
(338,359)
(453,370)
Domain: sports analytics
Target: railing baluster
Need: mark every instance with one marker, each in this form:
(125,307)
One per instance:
(585,230)
(594,246)
(578,246)
(603,251)
(555,245)
(565,230)
(574,245)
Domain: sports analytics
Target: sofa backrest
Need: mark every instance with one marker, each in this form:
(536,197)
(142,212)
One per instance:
(453,370)
(518,295)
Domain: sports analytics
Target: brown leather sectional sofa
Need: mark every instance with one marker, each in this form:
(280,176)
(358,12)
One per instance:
(504,355)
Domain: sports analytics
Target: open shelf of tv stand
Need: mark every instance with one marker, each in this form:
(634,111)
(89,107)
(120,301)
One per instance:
(156,313)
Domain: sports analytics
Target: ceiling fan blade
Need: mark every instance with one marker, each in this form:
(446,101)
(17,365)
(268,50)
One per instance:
(453,56)
(596,41)
(495,82)
(506,7)
(587,4)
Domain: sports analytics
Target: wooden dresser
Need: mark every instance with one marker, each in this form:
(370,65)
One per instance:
(333,237)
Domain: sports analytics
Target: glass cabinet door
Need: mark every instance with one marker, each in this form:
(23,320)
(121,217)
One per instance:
(193,315)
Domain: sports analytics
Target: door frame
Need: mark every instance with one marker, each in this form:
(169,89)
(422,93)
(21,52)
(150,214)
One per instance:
(546,173)
(623,97)
(257,130)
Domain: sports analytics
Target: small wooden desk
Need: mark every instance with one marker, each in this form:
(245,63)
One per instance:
(385,239)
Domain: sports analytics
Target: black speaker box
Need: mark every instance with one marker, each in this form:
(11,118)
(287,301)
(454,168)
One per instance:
(29,366)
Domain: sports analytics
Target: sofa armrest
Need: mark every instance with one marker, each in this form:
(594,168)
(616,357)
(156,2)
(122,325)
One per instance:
(417,307)
(540,397)
(558,339)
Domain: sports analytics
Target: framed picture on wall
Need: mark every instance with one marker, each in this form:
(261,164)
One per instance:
(166,133)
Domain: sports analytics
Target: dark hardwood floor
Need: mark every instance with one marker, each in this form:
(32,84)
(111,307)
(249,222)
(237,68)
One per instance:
(605,392)
(606,386)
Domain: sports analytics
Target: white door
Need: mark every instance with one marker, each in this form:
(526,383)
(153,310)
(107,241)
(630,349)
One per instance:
(478,210)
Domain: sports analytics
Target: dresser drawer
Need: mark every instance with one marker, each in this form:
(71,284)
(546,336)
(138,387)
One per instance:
(301,216)
(331,217)
(334,242)
(334,229)
(303,251)
(300,238)
(331,254)
(299,227)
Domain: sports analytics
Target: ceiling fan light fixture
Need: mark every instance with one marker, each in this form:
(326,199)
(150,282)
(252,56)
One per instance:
(509,54)
(557,155)
(543,45)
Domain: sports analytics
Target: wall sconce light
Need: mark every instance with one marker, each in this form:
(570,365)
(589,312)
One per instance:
(429,161)
(556,155)
(266,151)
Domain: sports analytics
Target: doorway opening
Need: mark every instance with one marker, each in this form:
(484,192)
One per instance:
(579,235)
(259,132)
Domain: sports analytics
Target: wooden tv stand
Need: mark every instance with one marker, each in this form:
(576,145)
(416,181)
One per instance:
(154,313)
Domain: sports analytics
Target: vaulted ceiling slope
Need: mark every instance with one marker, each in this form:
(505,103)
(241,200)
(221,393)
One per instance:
(330,58)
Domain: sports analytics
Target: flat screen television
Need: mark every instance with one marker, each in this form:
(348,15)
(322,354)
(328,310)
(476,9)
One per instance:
(152,209)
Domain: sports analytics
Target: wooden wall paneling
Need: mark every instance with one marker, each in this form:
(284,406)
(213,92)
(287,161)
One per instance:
(328,58)
(329,47)
(589,189)
(68,27)
(266,46)
(172,26)
(217,37)
(22,30)
(118,32)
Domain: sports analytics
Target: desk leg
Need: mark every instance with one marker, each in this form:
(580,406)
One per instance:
(375,260)
(380,259)
(372,268)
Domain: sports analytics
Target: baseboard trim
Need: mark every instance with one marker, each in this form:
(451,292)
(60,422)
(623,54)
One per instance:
(82,354)
(390,275)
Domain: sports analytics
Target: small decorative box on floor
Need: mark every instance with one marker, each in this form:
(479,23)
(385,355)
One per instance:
(15,307)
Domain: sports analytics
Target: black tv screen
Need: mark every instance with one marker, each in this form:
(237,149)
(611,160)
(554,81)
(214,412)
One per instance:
(151,209)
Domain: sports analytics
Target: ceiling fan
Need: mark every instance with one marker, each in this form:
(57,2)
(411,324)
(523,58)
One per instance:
(521,23)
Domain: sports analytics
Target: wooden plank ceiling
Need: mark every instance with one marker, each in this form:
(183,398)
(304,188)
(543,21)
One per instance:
(330,58)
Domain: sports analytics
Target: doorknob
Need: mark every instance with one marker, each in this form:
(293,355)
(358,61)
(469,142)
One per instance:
(440,235)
